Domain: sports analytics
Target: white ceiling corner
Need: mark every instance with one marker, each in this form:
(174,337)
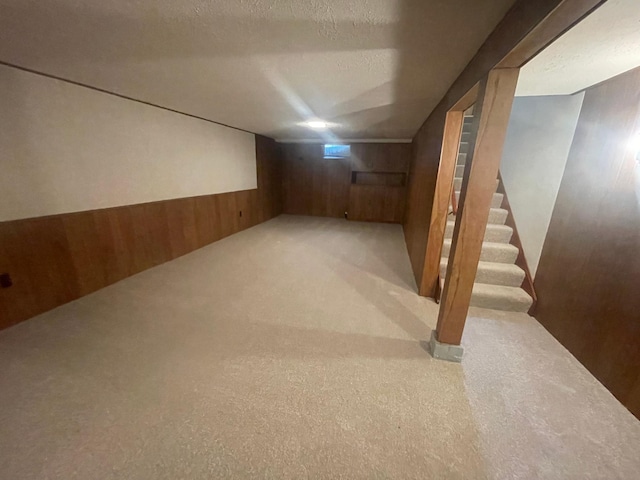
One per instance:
(603,45)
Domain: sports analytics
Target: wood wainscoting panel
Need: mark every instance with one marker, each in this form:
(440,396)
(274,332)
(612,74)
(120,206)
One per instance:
(56,259)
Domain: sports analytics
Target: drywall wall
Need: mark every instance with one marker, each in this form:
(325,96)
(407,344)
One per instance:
(535,154)
(68,148)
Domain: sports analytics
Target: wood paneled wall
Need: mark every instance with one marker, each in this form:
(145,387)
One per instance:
(589,273)
(384,169)
(526,29)
(56,259)
(313,185)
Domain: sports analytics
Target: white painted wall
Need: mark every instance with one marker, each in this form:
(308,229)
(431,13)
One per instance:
(66,148)
(535,155)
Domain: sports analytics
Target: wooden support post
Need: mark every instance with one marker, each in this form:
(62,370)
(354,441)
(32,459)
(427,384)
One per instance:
(441,199)
(489,129)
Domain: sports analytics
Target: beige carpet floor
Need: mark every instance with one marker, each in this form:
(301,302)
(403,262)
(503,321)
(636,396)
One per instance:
(294,350)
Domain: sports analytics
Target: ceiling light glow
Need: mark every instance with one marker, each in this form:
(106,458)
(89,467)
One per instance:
(316,124)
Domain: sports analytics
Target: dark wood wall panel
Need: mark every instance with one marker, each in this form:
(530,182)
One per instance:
(376,203)
(589,273)
(53,260)
(313,185)
(386,164)
(380,157)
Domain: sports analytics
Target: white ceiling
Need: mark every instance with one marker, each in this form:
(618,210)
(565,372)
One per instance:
(374,68)
(603,45)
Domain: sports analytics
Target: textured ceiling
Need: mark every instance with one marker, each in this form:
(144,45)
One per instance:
(374,68)
(603,45)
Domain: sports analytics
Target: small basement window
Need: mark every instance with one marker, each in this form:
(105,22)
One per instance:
(337,151)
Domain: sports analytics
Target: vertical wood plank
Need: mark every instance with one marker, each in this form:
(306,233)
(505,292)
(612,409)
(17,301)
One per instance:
(181,223)
(114,230)
(22,298)
(441,199)
(489,129)
(90,265)
(204,221)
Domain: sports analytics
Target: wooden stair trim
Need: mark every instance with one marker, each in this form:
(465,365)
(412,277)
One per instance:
(521,261)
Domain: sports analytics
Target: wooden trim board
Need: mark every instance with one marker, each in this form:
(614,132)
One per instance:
(441,199)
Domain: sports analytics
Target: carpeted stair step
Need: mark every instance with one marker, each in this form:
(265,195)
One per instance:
(497,216)
(457,183)
(493,233)
(505,274)
(462,158)
(459,171)
(498,297)
(491,252)
(496,202)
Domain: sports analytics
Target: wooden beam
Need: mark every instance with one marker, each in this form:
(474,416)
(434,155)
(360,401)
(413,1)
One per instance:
(560,20)
(489,129)
(467,100)
(523,19)
(439,211)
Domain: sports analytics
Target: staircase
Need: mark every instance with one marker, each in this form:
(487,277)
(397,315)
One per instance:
(498,280)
